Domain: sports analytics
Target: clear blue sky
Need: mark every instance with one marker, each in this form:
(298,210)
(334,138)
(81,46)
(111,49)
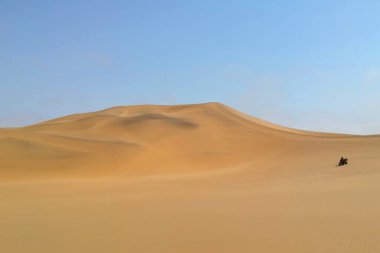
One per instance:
(305,64)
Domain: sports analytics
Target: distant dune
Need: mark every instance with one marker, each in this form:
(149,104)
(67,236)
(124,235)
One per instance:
(185,178)
(149,139)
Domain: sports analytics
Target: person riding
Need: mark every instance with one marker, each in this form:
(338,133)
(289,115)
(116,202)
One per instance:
(343,161)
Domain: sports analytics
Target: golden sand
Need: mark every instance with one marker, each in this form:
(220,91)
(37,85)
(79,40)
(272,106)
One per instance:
(185,179)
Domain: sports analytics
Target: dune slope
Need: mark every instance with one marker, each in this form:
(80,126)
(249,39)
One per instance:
(141,140)
(185,178)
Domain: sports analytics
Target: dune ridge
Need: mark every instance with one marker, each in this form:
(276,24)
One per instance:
(148,139)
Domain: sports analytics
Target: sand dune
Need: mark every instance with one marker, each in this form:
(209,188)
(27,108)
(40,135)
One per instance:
(185,178)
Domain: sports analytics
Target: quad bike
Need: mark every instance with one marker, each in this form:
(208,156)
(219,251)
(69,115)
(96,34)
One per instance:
(343,161)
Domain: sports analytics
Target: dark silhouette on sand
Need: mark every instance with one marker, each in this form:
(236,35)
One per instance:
(343,161)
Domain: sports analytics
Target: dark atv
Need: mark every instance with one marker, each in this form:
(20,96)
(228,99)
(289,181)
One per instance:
(343,161)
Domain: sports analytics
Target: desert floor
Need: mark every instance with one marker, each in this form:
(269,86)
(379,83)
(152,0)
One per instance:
(185,179)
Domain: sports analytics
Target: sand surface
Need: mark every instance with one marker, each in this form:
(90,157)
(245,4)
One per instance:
(184,179)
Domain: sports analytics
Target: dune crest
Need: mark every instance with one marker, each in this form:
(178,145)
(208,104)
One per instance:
(148,140)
